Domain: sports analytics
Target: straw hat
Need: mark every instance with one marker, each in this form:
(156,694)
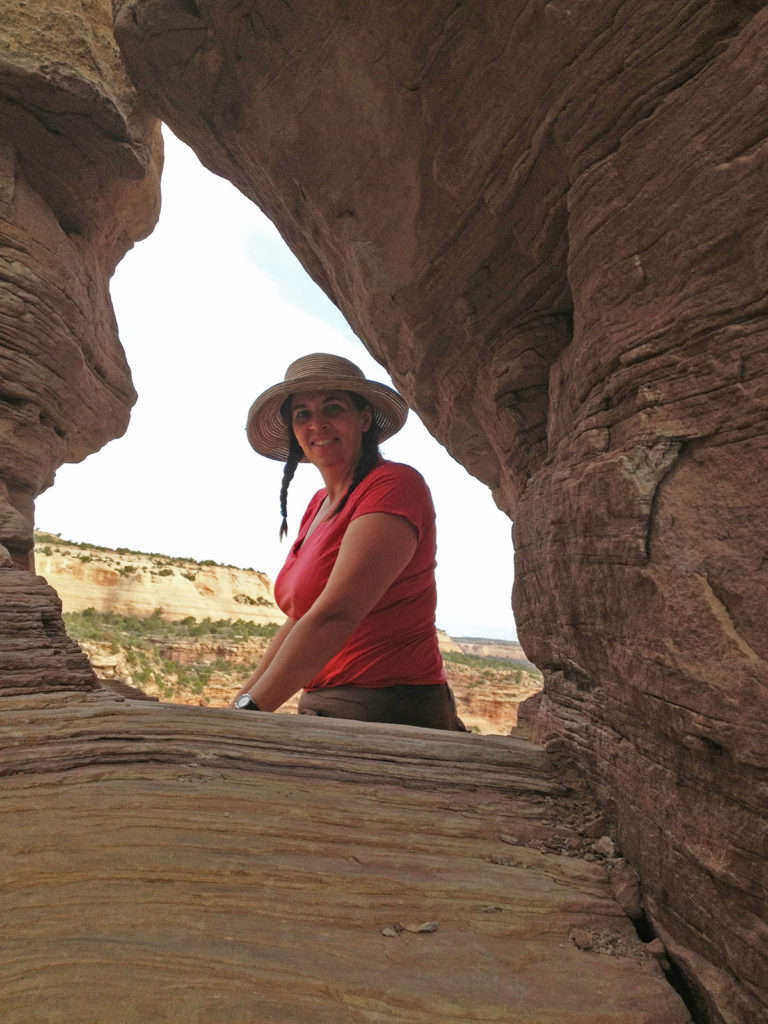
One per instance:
(268,432)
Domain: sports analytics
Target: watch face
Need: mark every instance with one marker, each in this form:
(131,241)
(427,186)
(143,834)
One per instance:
(243,702)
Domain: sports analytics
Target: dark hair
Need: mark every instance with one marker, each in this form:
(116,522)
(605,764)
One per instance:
(295,455)
(368,457)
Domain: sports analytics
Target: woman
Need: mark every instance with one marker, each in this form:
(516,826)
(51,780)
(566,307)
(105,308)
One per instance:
(358,585)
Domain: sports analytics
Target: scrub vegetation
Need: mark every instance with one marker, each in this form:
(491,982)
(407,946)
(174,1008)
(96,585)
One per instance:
(149,648)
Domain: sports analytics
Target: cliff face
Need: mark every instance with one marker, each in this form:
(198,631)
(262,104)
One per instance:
(79,170)
(136,584)
(548,221)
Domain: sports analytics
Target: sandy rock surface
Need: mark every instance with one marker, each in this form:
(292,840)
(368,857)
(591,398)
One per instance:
(192,866)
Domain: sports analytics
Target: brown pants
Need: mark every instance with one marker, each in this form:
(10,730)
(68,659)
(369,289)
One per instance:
(431,706)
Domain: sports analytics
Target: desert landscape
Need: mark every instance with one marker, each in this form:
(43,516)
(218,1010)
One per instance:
(190,633)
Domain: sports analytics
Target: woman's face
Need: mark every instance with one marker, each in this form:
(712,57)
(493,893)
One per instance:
(329,427)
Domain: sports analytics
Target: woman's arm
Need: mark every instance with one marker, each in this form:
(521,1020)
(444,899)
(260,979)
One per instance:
(375,550)
(273,647)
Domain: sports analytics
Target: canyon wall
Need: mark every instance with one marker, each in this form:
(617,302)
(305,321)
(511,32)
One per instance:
(79,183)
(132,583)
(548,221)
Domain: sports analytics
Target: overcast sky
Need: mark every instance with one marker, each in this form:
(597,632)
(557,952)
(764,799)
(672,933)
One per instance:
(212,308)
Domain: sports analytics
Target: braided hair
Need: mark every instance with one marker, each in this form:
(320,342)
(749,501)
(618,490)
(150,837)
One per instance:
(295,455)
(368,457)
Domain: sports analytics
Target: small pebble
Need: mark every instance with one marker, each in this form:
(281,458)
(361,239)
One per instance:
(581,938)
(427,926)
(604,846)
(512,840)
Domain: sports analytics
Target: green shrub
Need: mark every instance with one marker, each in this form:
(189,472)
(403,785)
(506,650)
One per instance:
(47,538)
(479,662)
(134,630)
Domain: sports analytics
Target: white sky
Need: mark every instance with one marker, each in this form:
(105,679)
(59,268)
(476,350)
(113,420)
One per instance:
(212,308)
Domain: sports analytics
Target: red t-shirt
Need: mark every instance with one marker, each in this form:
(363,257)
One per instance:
(396,642)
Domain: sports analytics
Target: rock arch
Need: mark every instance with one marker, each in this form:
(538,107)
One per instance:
(547,221)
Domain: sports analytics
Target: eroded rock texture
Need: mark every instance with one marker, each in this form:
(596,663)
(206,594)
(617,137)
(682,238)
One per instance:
(187,866)
(79,170)
(548,221)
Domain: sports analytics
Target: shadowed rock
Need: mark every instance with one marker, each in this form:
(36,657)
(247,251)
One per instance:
(79,183)
(548,221)
(79,176)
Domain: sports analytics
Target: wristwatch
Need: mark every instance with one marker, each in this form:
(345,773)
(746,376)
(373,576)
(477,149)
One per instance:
(247,703)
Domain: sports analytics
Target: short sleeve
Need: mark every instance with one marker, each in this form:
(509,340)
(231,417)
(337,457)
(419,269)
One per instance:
(397,490)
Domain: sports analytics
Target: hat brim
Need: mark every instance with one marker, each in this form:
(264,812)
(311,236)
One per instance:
(268,434)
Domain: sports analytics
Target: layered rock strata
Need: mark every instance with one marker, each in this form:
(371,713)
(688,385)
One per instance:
(133,583)
(547,220)
(180,864)
(79,170)
(35,652)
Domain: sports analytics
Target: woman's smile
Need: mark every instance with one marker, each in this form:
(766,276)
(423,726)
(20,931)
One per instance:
(329,427)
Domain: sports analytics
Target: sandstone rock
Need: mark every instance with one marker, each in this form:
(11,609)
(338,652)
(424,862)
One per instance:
(656,948)
(36,655)
(604,846)
(582,938)
(178,864)
(548,222)
(625,886)
(79,169)
(133,583)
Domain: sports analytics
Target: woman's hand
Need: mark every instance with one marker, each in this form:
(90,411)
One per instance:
(274,646)
(375,550)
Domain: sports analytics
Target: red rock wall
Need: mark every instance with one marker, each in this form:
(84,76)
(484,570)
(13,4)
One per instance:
(79,171)
(548,221)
